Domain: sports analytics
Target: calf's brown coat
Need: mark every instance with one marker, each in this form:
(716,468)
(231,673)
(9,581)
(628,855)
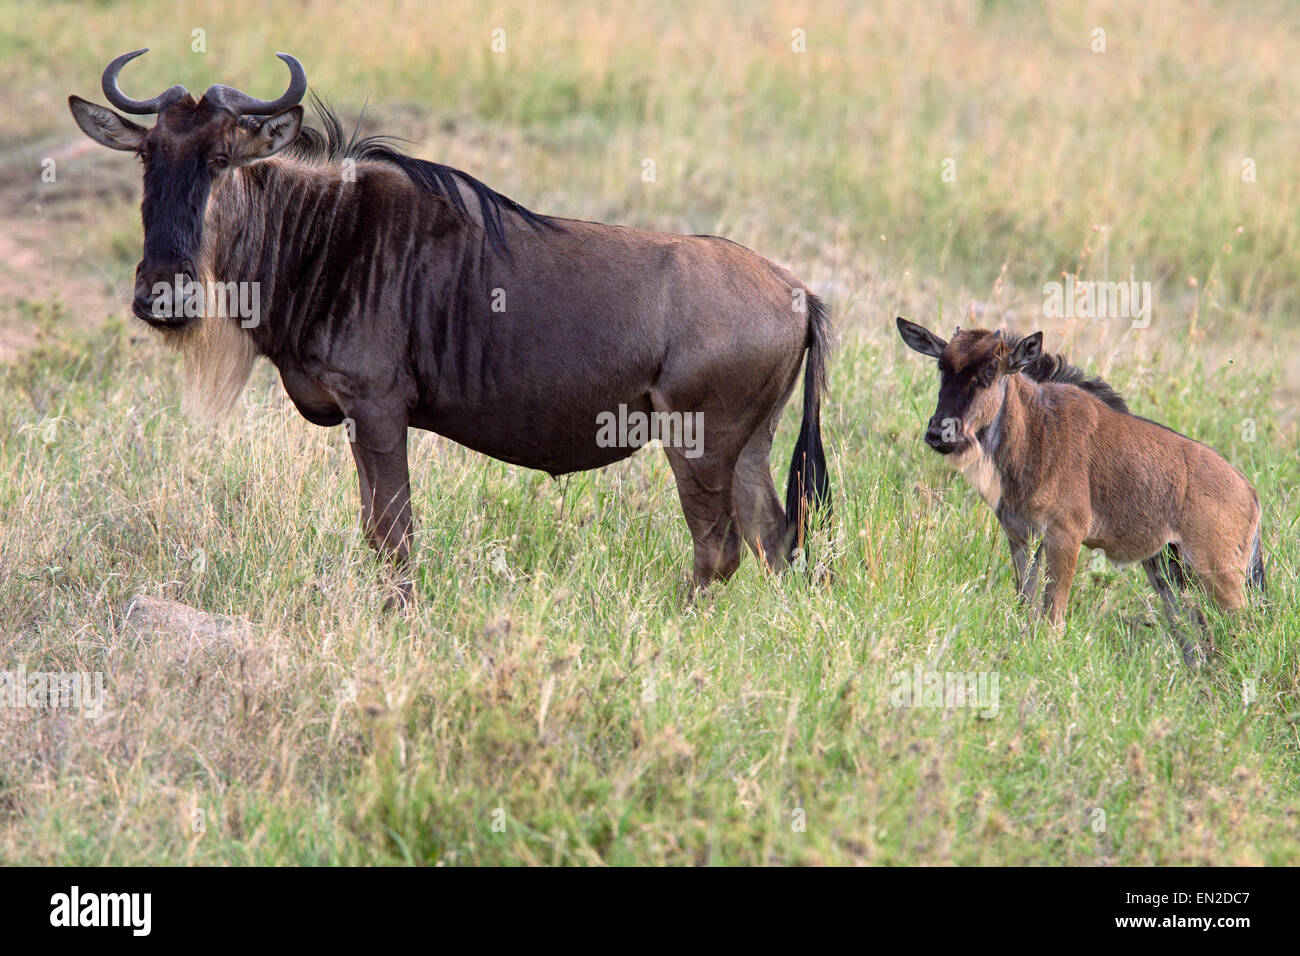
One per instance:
(1058,455)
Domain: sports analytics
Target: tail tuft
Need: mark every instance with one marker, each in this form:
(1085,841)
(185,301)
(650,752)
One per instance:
(1257,577)
(808,488)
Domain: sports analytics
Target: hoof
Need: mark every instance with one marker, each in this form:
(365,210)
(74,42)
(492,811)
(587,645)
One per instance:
(400,599)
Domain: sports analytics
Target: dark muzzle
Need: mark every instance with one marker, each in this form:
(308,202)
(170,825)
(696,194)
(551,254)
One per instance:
(167,297)
(943,438)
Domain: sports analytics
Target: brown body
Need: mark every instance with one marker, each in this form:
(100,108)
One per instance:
(399,293)
(1059,457)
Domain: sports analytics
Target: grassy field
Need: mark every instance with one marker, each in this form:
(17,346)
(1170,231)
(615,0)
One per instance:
(554,698)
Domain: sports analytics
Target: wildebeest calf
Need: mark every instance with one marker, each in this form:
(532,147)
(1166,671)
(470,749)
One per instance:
(1059,455)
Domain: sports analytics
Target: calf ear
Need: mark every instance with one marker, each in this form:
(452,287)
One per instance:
(1026,350)
(271,135)
(920,338)
(106,127)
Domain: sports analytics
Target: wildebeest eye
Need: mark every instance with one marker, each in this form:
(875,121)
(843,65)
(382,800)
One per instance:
(988,373)
(220,161)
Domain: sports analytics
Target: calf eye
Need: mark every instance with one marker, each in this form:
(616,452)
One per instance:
(219,162)
(988,373)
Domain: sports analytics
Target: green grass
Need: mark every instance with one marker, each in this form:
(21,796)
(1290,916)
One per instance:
(554,675)
(554,698)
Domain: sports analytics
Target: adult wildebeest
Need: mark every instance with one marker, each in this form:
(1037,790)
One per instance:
(395,292)
(1057,454)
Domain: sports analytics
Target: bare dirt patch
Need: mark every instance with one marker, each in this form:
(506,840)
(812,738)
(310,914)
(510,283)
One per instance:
(45,254)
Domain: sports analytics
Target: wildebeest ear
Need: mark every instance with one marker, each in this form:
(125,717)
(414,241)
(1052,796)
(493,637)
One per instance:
(920,338)
(1026,350)
(106,127)
(271,135)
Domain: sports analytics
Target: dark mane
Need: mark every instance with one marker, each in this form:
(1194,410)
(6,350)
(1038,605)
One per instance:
(1056,368)
(332,146)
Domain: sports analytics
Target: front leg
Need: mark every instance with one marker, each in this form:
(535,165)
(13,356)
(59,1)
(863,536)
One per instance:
(1029,590)
(379,448)
(1062,553)
(1026,578)
(1017,531)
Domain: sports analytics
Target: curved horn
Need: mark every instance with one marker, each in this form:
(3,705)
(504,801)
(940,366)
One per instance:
(244,105)
(124,102)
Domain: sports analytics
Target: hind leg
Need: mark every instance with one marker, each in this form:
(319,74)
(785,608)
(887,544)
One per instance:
(705,473)
(1220,575)
(1225,583)
(708,483)
(704,488)
(1220,571)
(1168,575)
(762,520)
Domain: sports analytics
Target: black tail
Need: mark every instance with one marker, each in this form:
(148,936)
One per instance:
(808,488)
(1257,566)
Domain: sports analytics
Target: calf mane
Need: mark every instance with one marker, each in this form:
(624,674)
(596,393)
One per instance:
(333,146)
(1056,368)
